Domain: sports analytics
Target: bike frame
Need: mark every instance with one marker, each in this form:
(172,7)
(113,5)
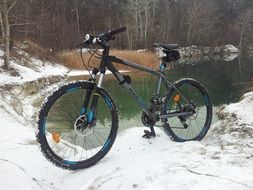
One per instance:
(128,86)
(106,63)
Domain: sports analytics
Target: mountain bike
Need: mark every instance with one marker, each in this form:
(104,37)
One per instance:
(78,122)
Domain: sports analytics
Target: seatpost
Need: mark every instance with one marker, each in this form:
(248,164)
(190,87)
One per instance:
(162,67)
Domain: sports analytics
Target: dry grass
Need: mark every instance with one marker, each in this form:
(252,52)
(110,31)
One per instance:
(72,59)
(36,50)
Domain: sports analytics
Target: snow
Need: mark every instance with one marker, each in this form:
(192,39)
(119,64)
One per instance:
(134,162)
(233,132)
(84,72)
(1,52)
(141,50)
(223,160)
(243,109)
(21,163)
(230,57)
(38,70)
(231,49)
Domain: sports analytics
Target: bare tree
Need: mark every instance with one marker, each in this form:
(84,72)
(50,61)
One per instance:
(5,7)
(59,24)
(244,23)
(141,15)
(201,17)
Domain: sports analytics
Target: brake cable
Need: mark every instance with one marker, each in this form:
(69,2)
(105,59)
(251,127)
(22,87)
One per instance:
(81,52)
(92,54)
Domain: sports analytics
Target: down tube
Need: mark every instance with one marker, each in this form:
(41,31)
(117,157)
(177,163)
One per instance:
(128,87)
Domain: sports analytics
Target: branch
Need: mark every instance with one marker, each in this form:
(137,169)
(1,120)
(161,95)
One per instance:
(24,31)
(21,24)
(12,5)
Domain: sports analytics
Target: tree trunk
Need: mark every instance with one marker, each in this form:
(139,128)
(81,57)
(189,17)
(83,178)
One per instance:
(41,21)
(6,34)
(188,35)
(241,38)
(77,20)
(2,25)
(146,23)
(7,43)
(5,25)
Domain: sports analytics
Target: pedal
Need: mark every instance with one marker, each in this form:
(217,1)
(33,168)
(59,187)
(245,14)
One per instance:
(148,134)
(183,120)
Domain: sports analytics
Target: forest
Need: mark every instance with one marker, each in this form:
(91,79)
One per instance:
(61,24)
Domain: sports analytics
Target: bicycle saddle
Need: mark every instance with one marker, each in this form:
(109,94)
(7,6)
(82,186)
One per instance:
(166,46)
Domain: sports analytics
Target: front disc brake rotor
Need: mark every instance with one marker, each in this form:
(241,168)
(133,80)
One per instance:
(82,127)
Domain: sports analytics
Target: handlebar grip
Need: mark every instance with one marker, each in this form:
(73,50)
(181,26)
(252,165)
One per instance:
(119,30)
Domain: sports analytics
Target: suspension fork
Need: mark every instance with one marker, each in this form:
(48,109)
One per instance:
(102,69)
(94,102)
(90,114)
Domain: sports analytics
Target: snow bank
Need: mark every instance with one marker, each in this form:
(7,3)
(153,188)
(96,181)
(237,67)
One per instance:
(230,57)
(133,163)
(32,70)
(234,130)
(22,165)
(231,49)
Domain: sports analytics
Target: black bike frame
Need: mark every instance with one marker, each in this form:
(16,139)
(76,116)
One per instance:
(106,62)
(127,86)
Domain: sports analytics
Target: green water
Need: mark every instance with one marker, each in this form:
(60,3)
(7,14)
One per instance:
(225,81)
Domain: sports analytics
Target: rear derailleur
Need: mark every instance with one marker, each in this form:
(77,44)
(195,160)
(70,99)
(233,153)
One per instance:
(188,108)
(150,121)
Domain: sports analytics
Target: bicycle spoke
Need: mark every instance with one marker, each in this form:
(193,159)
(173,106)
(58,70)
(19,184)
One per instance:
(188,127)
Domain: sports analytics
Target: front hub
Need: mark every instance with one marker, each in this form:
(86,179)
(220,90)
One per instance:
(82,127)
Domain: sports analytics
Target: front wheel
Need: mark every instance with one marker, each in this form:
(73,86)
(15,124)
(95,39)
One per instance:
(190,96)
(66,136)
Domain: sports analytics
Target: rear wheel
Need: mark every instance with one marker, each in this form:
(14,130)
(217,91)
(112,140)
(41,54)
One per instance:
(194,126)
(66,135)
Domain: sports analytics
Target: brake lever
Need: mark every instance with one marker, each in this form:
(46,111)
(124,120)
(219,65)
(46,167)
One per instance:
(88,40)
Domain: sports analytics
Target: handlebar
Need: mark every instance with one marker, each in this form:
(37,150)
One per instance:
(101,38)
(119,30)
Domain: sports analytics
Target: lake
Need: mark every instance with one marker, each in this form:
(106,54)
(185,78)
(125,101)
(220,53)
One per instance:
(226,81)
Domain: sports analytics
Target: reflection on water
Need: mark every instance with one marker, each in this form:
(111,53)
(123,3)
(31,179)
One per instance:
(224,80)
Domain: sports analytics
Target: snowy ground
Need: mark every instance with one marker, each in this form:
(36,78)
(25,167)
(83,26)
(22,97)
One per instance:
(223,160)
(133,163)
(31,69)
